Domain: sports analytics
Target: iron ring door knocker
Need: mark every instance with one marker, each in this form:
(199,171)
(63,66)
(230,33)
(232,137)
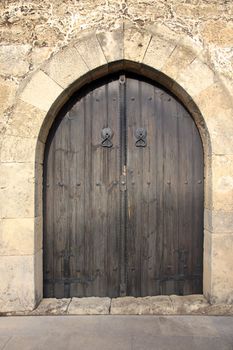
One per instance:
(106,135)
(140,135)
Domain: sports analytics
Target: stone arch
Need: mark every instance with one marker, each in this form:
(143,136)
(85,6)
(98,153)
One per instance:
(177,63)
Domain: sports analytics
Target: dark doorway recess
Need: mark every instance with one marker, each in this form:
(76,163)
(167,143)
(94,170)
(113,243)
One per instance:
(123,194)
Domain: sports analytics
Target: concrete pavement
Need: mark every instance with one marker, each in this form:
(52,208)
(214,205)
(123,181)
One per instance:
(116,333)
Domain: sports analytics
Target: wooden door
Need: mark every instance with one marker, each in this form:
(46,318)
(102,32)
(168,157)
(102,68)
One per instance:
(123,194)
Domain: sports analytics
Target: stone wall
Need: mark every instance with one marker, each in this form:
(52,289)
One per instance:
(45,47)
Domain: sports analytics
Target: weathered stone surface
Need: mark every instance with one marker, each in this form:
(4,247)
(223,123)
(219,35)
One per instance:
(91,52)
(222,143)
(38,276)
(217,115)
(219,221)
(158,52)
(222,266)
(162,31)
(17,149)
(17,287)
(41,91)
(39,55)
(13,60)
(135,44)
(89,306)
(207,265)
(25,120)
(112,45)
(17,190)
(52,306)
(196,77)
(157,305)
(189,304)
(8,90)
(219,33)
(17,236)
(184,53)
(217,93)
(38,233)
(219,310)
(222,178)
(66,67)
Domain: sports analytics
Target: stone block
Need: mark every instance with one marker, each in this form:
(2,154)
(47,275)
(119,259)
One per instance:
(158,52)
(91,52)
(13,60)
(41,91)
(7,94)
(112,45)
(219,221)
(135,44)
(66,66)
(217,115)
(184,53)
(38,233)
(163,32)
(17,149)
(17,236)
(17,188)
(222,182)
(219,310)
(189,304)
(228,84)
(25,120)
(52,306)
(38,277)
(39,55)
(195,78)
(156,305)
(89,306)
(17,287)
(218,33)
(222,267)
(222,144)
(207,265)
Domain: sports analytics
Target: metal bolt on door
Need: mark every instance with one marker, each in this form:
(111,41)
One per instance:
(123,194)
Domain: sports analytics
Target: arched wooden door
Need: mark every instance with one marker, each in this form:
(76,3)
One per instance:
(123,194)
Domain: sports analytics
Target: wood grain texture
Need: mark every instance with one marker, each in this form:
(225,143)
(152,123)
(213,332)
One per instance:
(123,220)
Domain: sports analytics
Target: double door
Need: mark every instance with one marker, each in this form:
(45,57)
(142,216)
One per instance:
(123,194)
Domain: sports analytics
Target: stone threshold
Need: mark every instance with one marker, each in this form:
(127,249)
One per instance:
(155,305)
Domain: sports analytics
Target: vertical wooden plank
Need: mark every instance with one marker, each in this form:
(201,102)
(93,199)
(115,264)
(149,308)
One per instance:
(61,184)
(134,185)
(113,193)
(76,217)
(170,211)
(158,170)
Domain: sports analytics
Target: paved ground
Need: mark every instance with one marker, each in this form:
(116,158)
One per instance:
(116,332)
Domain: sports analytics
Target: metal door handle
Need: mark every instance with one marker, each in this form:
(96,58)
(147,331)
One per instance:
(140,135)
(106,135)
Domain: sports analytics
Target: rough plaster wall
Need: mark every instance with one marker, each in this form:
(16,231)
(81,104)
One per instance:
(30,31)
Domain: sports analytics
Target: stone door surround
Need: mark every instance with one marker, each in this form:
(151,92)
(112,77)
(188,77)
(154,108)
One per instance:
(174,61)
